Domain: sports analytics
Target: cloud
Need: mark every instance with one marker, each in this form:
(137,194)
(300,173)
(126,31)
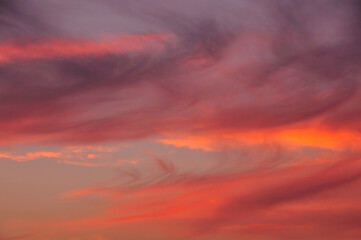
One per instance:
(23,236)
(63,48)
(338,175)
(250,193)
(268,88)
(87,156)
(217,74)
(257,203)
(30,156)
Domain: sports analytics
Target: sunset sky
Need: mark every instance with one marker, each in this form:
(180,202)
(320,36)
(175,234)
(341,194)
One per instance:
(180,120)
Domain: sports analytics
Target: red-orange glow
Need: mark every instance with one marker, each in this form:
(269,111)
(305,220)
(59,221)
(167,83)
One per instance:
(55,48)
(30,156)
(289,137)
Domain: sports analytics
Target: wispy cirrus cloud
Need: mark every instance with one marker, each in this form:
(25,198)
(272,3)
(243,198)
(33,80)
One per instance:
(244,114)
(249,77)
(209,203)
(87,156)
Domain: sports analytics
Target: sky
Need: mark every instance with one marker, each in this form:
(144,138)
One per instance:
(180,119)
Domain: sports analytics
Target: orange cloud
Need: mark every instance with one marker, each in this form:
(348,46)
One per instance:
(31,156)
(55,48)
(288,136)
(86,156)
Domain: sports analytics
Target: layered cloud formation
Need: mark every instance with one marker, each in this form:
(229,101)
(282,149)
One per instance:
(198,119)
